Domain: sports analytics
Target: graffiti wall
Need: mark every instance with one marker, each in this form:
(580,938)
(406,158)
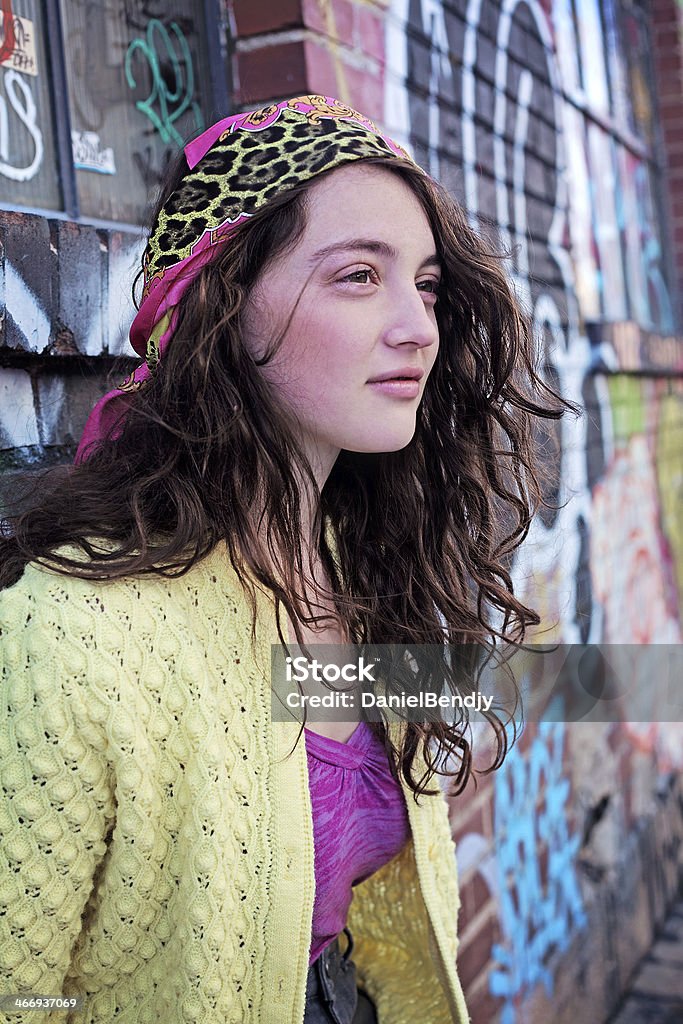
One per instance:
(95,100)
(541,118)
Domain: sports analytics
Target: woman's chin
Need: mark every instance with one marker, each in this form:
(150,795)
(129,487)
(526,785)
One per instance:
(382,444)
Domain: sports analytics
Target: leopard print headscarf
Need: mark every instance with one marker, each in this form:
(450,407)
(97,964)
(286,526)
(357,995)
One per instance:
(234,168)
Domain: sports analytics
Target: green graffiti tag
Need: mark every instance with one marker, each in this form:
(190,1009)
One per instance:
(165,104)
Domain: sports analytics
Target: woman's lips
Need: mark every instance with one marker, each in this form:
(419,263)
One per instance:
(397,388)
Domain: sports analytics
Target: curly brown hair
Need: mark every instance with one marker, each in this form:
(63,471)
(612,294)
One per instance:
(206,442)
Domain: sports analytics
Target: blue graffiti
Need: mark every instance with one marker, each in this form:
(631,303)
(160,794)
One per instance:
(651,253)
(538,915)
(172,102)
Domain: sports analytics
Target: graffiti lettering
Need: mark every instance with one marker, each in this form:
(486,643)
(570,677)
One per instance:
(23,56)
(172,102)
(21,101)
(90,155)
(145,163)
(538,915)
(8,42)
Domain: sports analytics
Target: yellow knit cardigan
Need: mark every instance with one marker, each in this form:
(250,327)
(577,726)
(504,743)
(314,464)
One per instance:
(156,841)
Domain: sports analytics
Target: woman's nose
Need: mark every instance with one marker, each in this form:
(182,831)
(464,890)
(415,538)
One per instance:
(411,320)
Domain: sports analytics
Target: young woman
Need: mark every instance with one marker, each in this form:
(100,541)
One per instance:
(330,440)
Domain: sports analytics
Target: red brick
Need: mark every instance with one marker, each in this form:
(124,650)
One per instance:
(370,33)
(366,92)
(674,163)
(671,89)
(483,1007)
(669,106)
(465,820)
(475,956)
(667,38)
(321,71)
(338,27)
(669,64)
(663,11)
(474,895)
(271,72)
(330,74)
(255,16)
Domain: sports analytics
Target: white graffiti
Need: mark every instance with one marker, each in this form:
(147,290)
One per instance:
(434,25)
(569,350)
(475,854)
(20,97)
(396,113)
(26,310)
(469,104)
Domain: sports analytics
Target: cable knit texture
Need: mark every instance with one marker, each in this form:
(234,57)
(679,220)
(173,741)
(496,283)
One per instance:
(156,837)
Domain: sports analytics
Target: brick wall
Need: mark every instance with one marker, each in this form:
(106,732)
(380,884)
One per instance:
(336,49)
(667,39)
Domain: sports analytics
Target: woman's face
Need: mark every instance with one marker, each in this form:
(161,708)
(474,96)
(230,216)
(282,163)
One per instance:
(367,312)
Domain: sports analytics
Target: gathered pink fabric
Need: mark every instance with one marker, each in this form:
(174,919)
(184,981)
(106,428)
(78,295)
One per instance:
(360,823)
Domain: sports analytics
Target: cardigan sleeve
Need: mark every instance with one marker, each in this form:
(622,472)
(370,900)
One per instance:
(56,799)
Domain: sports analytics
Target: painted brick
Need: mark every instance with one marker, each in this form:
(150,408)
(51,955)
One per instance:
(29,268)
(418,71)
(256,16)
(271,71)
(64,403)
(124,252)
(18,423)
(82,290)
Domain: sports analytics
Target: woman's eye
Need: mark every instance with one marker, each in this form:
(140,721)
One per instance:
(354,277)
(368,276)
(431,287)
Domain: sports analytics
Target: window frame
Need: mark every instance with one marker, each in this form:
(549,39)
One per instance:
(218,48)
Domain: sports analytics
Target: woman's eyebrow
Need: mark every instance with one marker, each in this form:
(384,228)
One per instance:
(369,245)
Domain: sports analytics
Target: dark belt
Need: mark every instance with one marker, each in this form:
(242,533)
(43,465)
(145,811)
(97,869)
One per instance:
(332,996)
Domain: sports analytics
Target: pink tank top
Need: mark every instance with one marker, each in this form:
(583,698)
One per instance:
(360,822)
